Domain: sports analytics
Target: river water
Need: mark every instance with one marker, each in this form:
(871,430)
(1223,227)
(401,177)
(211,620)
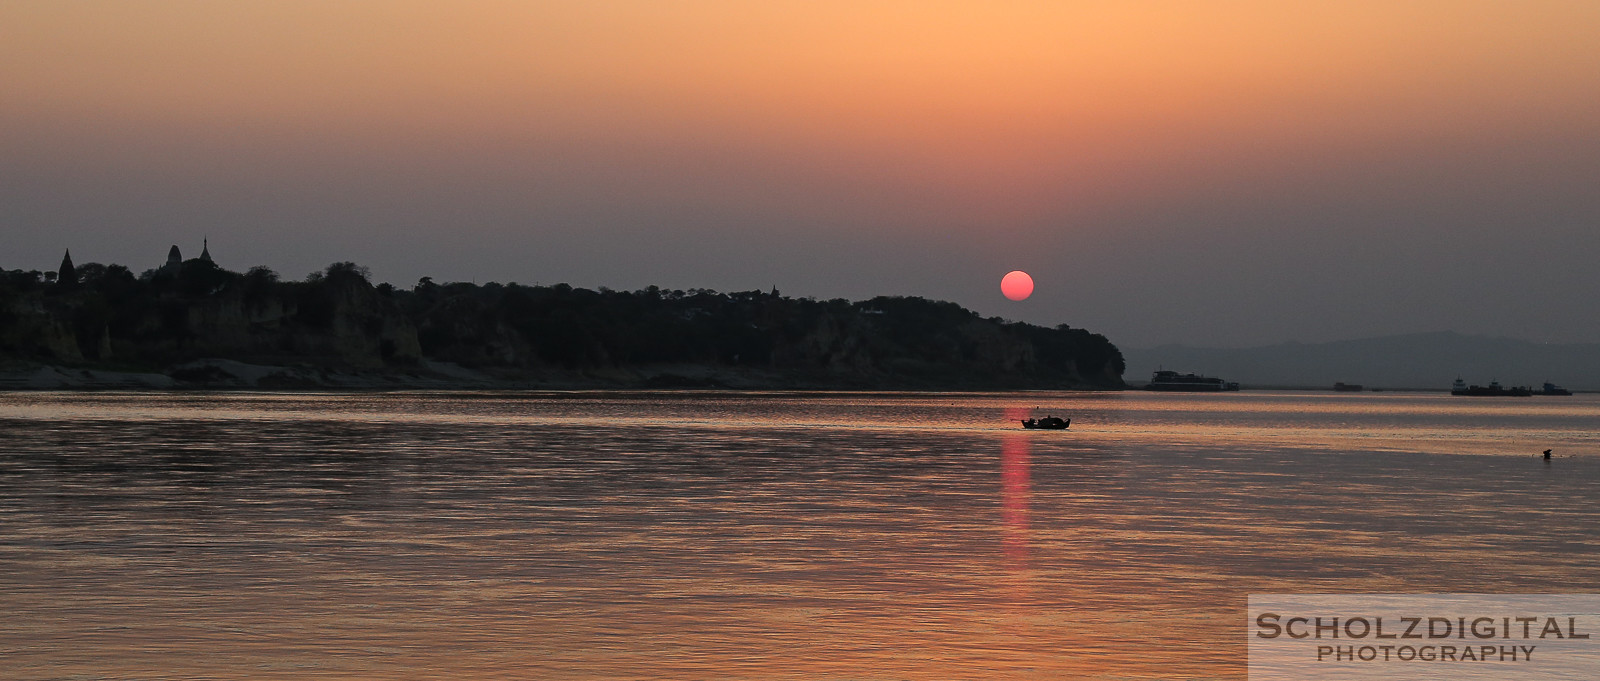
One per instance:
(686,535)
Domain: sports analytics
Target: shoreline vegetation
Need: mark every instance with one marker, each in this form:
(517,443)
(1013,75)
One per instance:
(194,325)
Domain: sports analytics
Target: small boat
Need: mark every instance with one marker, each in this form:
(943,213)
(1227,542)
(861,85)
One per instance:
(1047,423)
(1343,387)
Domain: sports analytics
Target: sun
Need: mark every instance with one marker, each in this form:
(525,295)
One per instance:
(1016,285)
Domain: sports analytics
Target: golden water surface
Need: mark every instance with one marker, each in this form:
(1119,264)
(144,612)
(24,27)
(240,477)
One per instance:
(683,535)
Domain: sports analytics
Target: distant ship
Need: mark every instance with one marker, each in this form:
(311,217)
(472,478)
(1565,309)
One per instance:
(1176,382)
(1494,389)
(1553,389)
(1347,387)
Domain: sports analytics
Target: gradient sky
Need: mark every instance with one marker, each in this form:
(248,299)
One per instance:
(1217,173)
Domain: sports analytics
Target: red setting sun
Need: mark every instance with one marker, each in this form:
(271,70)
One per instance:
(1016,285)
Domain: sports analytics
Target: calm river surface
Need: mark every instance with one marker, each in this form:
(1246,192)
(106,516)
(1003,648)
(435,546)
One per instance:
(681,535)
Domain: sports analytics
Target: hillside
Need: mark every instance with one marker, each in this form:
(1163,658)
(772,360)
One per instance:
(197,325)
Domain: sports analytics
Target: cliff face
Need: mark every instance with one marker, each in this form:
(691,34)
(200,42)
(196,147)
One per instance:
(338,321)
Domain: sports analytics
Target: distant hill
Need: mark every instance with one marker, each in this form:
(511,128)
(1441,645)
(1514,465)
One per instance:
(1422,360)
(193,324)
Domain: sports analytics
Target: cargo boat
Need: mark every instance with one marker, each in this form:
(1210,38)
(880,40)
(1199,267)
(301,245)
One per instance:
(1553,389)
(1173,381)
(1494,389)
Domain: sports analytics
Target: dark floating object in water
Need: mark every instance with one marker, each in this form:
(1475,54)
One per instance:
(1494,389)
(1173,381)
(1047,423)
(1546,455)
(1553,389)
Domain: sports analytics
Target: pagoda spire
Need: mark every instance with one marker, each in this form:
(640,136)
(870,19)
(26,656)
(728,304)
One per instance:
(66,274)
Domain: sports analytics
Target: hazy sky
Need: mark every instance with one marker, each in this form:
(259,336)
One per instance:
(1212,173)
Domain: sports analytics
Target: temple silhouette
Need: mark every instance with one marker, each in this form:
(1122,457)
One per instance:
(66,274)
(175,257)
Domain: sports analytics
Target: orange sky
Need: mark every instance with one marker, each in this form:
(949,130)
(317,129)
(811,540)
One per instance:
(1021,119)
(943,83)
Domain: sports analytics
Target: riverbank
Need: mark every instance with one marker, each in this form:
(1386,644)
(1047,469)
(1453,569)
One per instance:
(224,374)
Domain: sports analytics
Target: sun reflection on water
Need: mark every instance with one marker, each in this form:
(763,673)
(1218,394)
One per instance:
(1014,491)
